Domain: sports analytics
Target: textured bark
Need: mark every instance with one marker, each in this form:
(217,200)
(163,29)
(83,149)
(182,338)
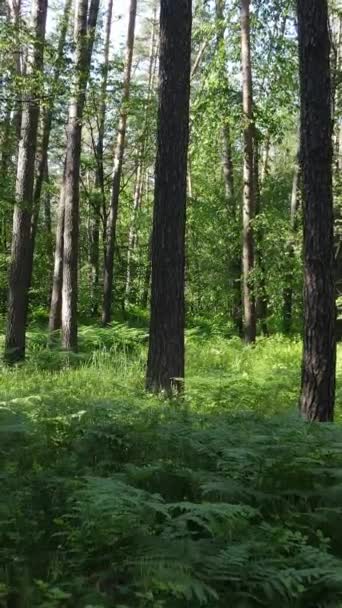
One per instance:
(337,94)
(18,276)
(6,145)
(165,367)
(85,32)
(117,171)
(319,353)
(248,208)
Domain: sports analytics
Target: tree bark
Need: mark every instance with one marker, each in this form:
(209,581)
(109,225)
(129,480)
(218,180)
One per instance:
(319,353)
(337,93)
(18,276)
(85,33)
(248,189)
(117,171)
(165,367)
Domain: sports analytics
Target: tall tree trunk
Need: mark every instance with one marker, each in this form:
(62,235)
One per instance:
(261,300)
(85,33)
(47,204)
(227,162)
(198,59)
(234,268)
(100,202)
(288,291)
(18,277)
(117,171)
(319,354)
(337,93)
(55,318)
(248,189)
(46,122)
(165,367)
(138,191)
(132,229)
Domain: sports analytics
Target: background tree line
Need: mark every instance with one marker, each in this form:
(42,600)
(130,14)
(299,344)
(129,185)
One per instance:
(80,133)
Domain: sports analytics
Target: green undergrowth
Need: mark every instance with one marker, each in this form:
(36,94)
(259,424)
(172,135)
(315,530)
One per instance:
(112,498)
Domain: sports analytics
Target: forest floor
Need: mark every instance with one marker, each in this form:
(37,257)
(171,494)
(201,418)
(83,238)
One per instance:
(115,498)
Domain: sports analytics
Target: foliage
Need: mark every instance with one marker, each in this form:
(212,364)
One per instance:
(111,497)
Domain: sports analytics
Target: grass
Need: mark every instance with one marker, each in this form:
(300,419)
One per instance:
(115,498)
(111,365)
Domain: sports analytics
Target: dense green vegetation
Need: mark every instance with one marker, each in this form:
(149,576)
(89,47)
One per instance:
(112,497)
(170,264)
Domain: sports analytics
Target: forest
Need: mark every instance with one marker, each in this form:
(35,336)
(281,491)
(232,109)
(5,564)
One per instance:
(170,303)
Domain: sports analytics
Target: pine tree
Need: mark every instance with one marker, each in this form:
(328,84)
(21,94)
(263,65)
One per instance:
(319,354)
(248,208)
(20,253)
(165,367)
(84,33)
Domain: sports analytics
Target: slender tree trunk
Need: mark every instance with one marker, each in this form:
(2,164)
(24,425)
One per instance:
(117,171)
(18,277)
(227,162)
(248,190)
(100,202)
(147,276)
(234,269)
(94,257)
(85,32)
(319,353)
(165,367)
(266,159)
(132,229)
(55,319)
(261,300)
(47,117)
(47,204)
(138,192)
(288,291)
